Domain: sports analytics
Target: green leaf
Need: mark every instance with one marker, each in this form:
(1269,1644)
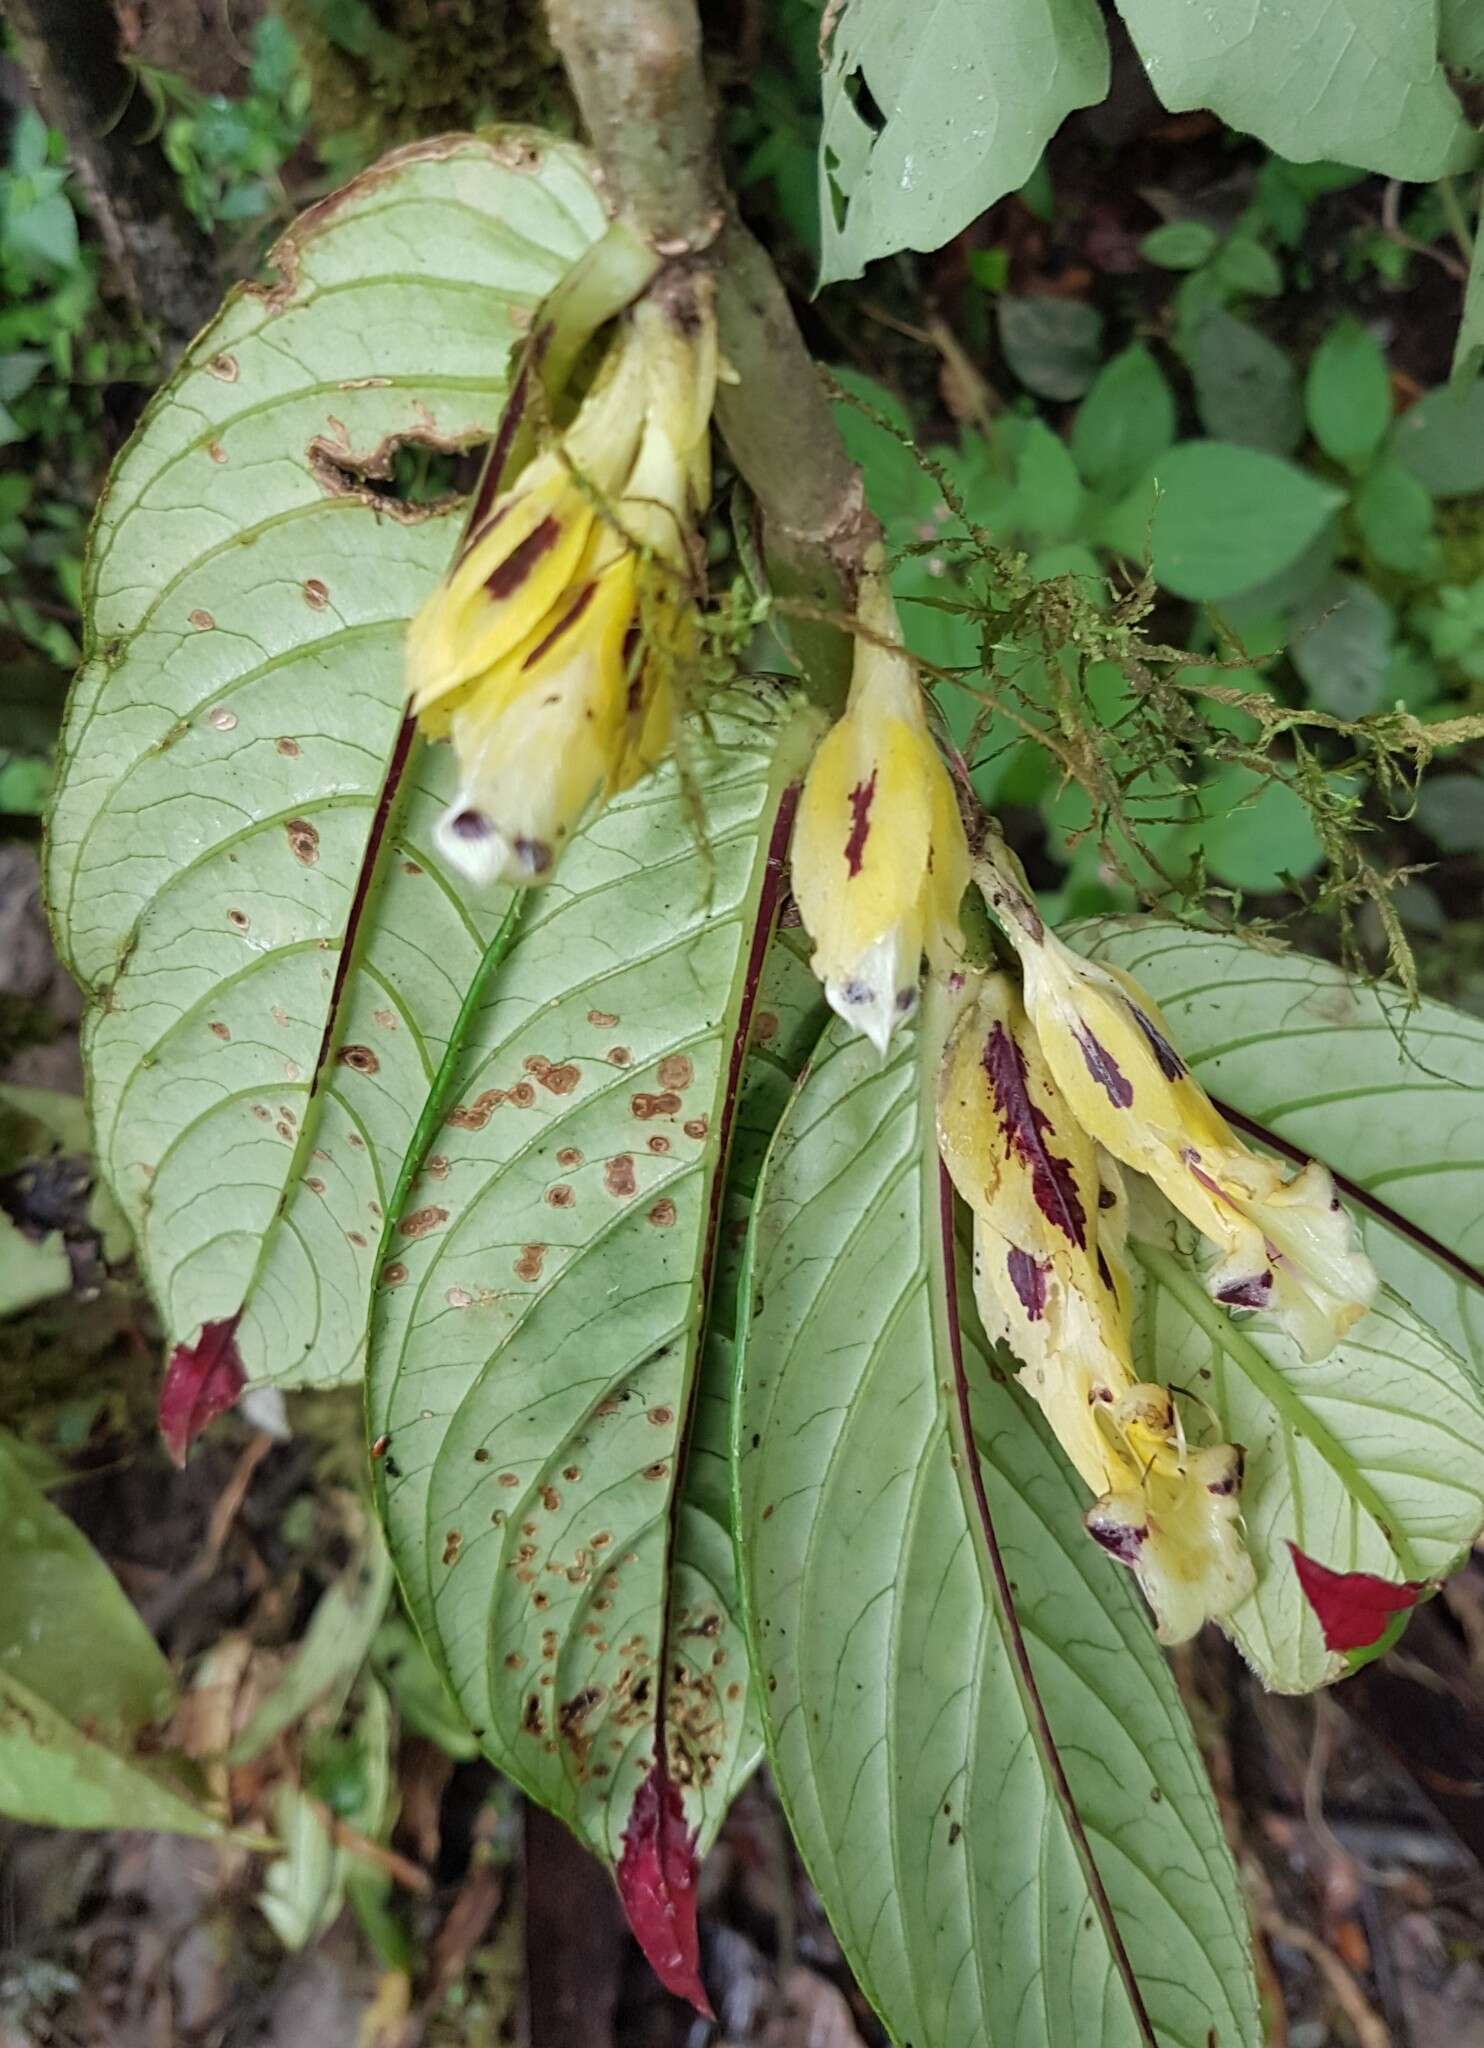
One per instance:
(1245,387)
(1342,644)
(1052,345)
(931,115)
(1348,394)
(1450,808)
(32,1270)
(1441,441)
(1461,36)
(1245,268)
(81,1679)
(226,747)
(1392,1099)
(956,1760)
(535,1339)
(1229,518)
(1048,495)
(1257,833)
(1468,350)
(1394,515)
(1125,422)
(1180,245)
(1358,80)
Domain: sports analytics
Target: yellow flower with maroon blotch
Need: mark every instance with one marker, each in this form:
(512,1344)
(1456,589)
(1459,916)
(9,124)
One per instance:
(548,652)
(1176,1518)
(1050,1224)
(880,862)
(1287,1244)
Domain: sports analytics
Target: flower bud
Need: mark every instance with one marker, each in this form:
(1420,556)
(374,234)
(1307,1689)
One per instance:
(880,862)
(548,652)
(1287,1245)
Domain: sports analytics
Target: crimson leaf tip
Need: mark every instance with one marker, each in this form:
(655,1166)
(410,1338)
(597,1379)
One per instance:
(1353,1608)
(657,1884)
(202,1381)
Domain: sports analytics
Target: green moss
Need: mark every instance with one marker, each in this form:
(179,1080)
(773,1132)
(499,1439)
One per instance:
(384,72)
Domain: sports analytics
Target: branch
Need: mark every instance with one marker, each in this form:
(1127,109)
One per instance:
(69,49)
(635,67)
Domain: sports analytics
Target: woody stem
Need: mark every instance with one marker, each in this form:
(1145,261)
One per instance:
(635,67)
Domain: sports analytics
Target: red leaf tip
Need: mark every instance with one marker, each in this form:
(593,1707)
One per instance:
(1353,1607)
(202,1381)
(657,1884)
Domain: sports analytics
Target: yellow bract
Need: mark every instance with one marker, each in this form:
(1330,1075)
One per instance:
(1050,1224)
(1287,1245)
(547,652)
(880,862)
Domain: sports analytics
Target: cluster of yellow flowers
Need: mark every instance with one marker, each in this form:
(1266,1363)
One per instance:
(1050,1087)
(529,655)
(547,656)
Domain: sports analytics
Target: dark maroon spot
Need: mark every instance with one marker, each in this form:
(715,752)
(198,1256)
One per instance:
(1353,1607)
(564,624)
(1025,1130)
(1252,1293)
(534,855)
(1103,1273)
(202,1381)
(505,580)
(861,799)
(1104,1069)
(657,1884)
(1232,1483)
(906,1000)
(1170,1063)
(1117,1538)
(470,825)
(1106,1198)
(1028,1278)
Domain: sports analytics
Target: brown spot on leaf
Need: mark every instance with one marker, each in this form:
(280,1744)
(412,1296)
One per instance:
(557,1080)
(514,1661)
(618,1175)
(662,1215)
(453,1543)
(220,1030)
(697,1127)
(393,1274)
(289,747)
(360,1058)
(646,1106)
(225,367)
(421,1221)
(522,1095)
(662,1417)
(569,1156)
(314,1184)
(658,1470)
(473,1116)
(202,621)
(764,1027)
(316,594)
(620,1056)
(509,1479)
(528,1265)
(658,1143)
(551,1500)
(676,1071)
(303,841)
(223,719)
(239,920)
(560,1195)
(530,1718)
(601,1020)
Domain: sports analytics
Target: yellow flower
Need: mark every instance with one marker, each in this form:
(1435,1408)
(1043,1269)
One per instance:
(547,652)
(1287,1245)
(1177,1525)
(880,862)
(1050,1221)
(1048,1272)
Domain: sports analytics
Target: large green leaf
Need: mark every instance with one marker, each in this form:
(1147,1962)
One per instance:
(265,1014)
(1356,80)
(81,1680)
(1371,1459)
(535,1337)
(933,112)
(1004,1812)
